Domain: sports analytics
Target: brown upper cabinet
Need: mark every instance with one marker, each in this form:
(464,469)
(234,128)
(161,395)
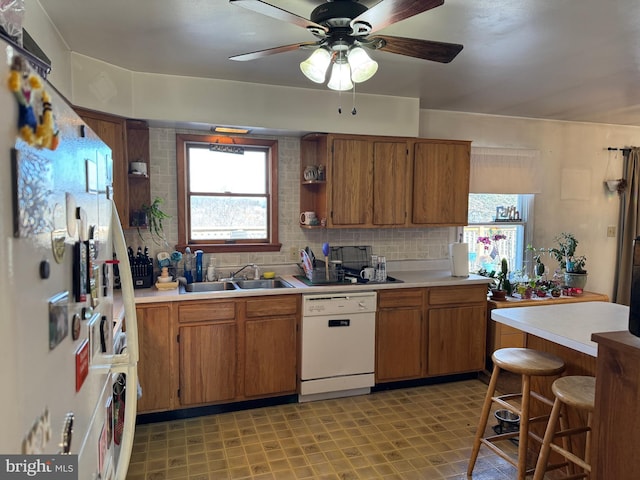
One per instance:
(129,142)
(374,182)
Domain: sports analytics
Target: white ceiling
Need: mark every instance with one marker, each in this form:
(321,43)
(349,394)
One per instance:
(573,60)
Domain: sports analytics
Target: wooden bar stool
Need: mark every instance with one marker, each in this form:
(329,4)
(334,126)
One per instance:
(527,363)
(578,392)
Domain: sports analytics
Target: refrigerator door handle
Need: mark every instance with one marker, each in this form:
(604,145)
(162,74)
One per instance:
(131,352)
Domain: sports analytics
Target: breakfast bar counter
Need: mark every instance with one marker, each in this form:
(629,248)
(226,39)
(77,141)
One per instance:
(570,325)
(593,339)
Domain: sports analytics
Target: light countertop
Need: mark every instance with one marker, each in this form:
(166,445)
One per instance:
(570,325)
(410,279)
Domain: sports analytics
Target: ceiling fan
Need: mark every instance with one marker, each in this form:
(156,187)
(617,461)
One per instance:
(344,30)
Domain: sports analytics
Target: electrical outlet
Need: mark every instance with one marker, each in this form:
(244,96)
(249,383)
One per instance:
(294,255)
(611,231)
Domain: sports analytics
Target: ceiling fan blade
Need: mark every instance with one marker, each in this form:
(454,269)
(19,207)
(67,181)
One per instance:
(411,47)
(277,13)
(388,12)
(272,51)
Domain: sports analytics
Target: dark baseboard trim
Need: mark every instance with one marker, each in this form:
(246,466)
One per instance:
(420,382)
(185,413)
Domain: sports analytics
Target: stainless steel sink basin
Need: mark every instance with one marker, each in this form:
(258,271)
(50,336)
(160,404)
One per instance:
(271,283)
(210,286)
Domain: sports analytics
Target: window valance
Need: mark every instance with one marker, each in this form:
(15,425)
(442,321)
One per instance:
(504,170)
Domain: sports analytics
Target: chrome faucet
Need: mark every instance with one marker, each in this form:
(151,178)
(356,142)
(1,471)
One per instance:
(256,271)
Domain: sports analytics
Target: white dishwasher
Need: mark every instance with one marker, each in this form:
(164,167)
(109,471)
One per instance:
(338,345)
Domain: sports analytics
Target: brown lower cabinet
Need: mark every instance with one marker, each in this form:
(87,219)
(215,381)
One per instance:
(156,363)
(432,331)
(196,353)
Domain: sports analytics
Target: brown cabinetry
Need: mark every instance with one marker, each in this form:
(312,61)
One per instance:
(270,353)
(376,181)
(129,142)
(430,332)
(156,366)
(208,344)
(400,335)
(440,182)
(232,350)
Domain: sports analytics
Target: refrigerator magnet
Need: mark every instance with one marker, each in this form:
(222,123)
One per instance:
(75,327)
(82,364)
(58,322)
(80,271)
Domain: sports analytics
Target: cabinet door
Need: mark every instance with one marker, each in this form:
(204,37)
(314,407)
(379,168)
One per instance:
(389,183)
(112,131)
(208,363)
(399,344)
(400,334)
(155,366)
(351,182)
(270,356)
(456,339)
(440,183)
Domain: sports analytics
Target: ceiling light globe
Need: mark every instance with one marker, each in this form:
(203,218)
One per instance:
(362,66)
(340,77)
(315,67)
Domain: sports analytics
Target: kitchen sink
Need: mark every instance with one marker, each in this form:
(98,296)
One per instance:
(209,286)
(270,283)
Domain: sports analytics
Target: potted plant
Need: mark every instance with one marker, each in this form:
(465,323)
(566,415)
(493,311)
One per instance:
(575,275)
(503,287)
(538,267)
(154,217)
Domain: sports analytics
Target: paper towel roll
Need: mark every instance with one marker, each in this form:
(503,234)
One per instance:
(459,255)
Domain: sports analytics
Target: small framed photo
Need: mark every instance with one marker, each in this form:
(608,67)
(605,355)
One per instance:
(58,321)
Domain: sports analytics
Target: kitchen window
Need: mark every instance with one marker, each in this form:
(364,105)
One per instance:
(227,193)
(500,226)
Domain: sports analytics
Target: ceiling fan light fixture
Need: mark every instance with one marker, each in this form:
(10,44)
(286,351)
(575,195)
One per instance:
(340,76)
(315,67)
(362,66)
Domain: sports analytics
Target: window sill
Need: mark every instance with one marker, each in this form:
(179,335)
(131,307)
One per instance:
(230,247)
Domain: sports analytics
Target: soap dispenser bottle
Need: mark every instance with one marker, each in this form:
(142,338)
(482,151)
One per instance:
(199,265)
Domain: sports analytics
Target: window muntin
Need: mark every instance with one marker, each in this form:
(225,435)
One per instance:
(227,201)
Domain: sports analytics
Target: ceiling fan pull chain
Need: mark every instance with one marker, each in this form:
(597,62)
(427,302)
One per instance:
(354,111)
(340,102)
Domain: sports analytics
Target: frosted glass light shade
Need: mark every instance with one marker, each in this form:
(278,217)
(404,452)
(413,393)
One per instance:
(362,66)
(315,67)
(340,77)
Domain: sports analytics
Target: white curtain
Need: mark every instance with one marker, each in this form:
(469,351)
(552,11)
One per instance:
(504,170)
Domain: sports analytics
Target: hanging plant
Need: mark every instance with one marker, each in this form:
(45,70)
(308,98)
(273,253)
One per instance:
(155,216)
(622,186)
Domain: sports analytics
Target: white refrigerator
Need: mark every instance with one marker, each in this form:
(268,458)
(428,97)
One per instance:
(66,367)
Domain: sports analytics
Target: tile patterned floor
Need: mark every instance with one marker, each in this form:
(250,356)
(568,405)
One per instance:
(416,433)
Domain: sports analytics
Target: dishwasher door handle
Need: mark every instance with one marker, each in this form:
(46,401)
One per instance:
(339,323)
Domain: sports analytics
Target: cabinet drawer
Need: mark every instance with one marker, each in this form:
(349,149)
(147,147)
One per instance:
(272,306)
(400,298)
(457,295)
(207,311)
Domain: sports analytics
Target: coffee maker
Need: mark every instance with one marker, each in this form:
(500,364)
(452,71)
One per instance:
(634,301)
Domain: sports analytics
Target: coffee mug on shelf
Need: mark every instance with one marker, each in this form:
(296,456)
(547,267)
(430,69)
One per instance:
(308,218)
(368,273)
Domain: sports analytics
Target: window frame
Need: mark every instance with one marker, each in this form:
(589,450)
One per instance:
(229,245)
(526,208)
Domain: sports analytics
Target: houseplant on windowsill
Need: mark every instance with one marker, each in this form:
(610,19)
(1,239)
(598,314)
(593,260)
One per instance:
(503,287)
(575,275)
